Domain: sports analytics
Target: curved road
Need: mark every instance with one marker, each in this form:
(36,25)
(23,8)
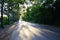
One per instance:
(31,31)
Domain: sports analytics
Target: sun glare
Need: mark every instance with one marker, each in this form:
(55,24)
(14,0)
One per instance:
(27,32)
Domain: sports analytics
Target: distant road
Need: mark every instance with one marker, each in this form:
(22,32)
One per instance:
(31,31)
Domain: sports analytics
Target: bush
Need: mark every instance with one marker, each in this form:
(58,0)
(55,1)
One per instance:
(5,20)
(15,16)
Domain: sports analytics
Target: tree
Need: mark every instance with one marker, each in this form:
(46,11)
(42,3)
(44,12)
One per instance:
(11,3)
(2,4)
(45,13)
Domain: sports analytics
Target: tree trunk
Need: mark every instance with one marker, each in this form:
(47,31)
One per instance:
(2,5)
(8,13)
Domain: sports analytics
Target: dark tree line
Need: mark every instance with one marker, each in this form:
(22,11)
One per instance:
(47,13)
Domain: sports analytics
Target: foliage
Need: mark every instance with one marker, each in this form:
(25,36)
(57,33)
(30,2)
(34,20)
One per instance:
(13,10)
(14,17)
(43,15)
(15,1)
(5,20)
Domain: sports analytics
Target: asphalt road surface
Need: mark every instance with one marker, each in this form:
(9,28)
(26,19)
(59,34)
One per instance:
(31,31)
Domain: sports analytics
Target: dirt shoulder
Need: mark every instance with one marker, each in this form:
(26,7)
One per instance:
(6,32)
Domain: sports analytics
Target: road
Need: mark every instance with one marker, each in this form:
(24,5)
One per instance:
(31,31)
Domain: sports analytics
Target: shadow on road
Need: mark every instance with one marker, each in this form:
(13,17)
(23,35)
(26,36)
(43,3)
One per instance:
(29,31)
